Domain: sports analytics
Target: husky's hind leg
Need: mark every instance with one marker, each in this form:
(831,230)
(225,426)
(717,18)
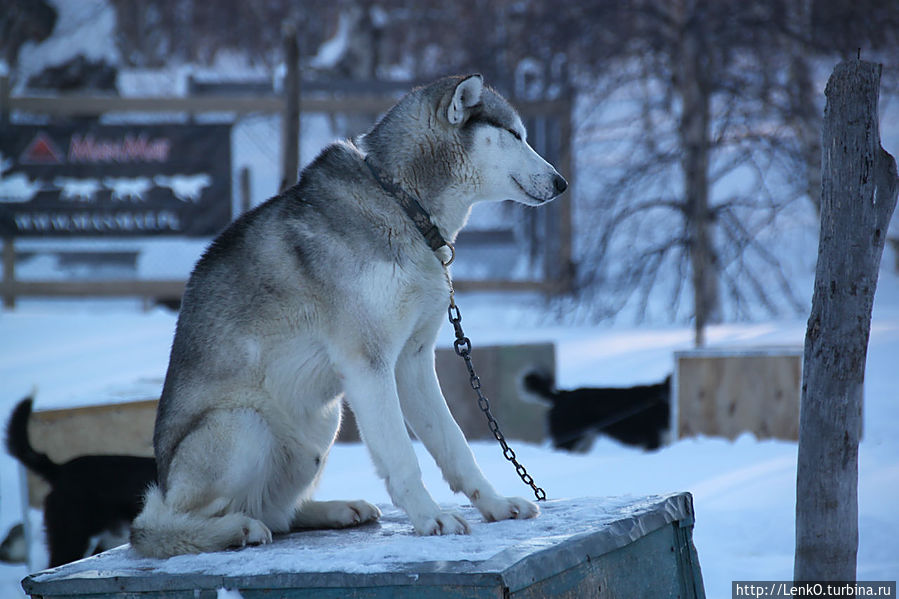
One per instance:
(161,531)
(213,497)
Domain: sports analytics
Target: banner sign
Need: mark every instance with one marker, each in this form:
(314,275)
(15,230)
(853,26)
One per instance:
(124,180)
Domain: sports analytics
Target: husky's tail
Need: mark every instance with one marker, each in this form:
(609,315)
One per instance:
(160,531)
(539,383)
(19,447)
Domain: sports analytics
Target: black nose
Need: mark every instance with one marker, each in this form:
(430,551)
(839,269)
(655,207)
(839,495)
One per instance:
(560,184)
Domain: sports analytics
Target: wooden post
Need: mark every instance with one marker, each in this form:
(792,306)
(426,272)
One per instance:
(858,197)
(9,272)
(245,195)
(4,99)
(290,121)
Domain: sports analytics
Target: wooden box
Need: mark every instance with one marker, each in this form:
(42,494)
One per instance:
(576,548)
(726,392)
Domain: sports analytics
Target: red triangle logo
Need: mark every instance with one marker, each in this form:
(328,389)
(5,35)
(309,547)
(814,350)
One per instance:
(41,150)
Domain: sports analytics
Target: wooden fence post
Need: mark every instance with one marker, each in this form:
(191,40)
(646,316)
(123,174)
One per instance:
(9,272)
(290,120)
(858,197)
(4,99)
(246,199)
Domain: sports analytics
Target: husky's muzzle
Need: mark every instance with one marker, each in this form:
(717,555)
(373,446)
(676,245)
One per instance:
(543,188)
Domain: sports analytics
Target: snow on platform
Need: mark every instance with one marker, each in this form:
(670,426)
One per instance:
(590,547)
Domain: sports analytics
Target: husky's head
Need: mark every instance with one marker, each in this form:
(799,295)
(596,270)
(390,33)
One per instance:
(460,141)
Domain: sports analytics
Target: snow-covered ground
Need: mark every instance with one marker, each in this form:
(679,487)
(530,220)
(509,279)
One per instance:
(80,353)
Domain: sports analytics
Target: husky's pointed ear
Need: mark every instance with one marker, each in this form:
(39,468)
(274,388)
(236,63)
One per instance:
(466,95)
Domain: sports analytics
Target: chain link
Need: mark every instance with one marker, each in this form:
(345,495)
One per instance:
(462,346)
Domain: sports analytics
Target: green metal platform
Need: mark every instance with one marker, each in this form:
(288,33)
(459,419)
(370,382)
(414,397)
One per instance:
(576,548)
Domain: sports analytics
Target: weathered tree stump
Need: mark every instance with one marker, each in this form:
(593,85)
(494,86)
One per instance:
(857,200)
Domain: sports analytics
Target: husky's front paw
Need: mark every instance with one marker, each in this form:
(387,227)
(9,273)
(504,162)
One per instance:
(443,523)
(506,508)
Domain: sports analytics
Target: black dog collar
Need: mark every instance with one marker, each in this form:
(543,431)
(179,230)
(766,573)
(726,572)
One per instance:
(411,206)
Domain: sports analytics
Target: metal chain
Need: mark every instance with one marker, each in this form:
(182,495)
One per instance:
(462,345)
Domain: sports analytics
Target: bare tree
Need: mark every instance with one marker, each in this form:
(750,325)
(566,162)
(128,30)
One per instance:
(701,75)
(801,110)
(858,199)
(720,146)
(692,73)
(815,29)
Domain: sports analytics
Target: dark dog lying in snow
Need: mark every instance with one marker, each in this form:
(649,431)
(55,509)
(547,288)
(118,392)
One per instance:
(90,496)
(632,415)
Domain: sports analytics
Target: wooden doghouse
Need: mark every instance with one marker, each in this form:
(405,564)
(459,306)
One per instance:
(123,429)
(726,392)
(587,547)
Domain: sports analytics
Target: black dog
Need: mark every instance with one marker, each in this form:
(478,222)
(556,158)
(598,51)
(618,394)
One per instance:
(89,496)
(632,415)
(14,549)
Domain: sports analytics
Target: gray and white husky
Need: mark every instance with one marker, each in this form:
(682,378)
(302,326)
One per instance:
(334,289)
